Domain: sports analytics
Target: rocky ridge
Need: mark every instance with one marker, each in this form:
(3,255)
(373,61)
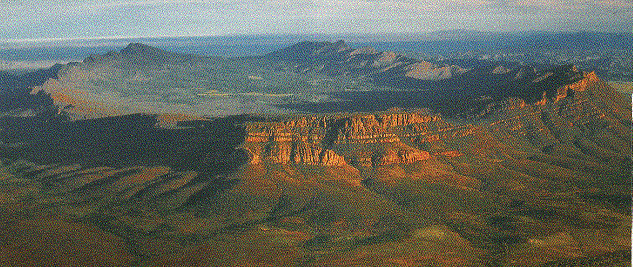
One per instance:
(546,172)
(338,58)
(309,140)
(408,137)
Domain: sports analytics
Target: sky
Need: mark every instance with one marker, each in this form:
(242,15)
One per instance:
(46,19)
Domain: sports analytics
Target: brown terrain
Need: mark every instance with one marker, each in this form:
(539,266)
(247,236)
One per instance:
(532,183)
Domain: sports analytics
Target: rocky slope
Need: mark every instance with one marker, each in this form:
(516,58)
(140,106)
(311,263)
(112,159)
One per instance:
(308,76)
(543,179)
(504,167)
(339,59)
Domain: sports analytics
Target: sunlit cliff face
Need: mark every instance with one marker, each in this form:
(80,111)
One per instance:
(534,171)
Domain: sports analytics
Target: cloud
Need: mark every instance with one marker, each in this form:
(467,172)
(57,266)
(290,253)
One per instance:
(83,18)
(507,4)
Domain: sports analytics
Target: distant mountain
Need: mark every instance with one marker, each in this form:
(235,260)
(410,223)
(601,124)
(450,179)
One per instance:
(307,76)
(137,55)
(338,58)
(529,184)
(344,157)
(416,83)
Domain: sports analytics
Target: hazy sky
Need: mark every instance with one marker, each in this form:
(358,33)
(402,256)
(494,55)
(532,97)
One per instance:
(35,19)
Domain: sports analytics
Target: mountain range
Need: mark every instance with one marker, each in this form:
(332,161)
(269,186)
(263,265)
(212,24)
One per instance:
(342,157)
(305,77)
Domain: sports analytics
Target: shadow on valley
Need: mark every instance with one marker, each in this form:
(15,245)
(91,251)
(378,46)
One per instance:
(384,100)
(208,147)
(15,90)
(473,94)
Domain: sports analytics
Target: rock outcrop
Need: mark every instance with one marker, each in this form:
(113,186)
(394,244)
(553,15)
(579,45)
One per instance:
(314,140)
(547,175)
(337,58)
(399,137)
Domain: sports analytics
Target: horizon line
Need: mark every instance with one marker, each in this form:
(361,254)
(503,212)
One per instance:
(122,37)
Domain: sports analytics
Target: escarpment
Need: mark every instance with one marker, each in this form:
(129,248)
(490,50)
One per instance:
(529,172)
(338,58)
(577,124)
(327,140)
(580,114)
(392,161)
(582,122)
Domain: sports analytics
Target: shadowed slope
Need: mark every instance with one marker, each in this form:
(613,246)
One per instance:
(209,147)
(537,173)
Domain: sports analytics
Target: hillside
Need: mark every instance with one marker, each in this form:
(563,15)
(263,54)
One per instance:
(534,171)
(306,77)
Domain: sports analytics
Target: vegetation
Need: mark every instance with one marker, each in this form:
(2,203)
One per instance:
(510,180)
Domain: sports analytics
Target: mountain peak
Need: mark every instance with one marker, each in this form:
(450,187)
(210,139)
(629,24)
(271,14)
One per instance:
(140,49)
(310,50)
(145,55)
